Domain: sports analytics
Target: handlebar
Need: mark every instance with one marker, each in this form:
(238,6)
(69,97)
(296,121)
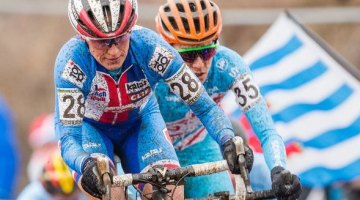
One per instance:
(170,176)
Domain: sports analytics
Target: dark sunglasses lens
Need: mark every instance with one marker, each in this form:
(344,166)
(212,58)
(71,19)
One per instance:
(206,54)
(188,56)
(103,44)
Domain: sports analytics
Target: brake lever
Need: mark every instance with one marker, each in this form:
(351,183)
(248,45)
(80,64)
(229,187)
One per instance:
(104,172)
(240,152)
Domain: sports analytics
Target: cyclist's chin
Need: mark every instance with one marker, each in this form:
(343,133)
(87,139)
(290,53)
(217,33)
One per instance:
(112,64)
(202,77)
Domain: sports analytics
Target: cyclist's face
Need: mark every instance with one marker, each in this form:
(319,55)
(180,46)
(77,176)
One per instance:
(110,53)
(198,63)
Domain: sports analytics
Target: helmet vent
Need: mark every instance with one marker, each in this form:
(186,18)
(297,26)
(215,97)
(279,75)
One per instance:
(215,18)
(197,25)
(206,22)
(203,5)
(186,24)
(121,14)
(92,18)
(131,19)
(107,14)
(173,23)
(192,7)
(165,27)
(180,7)
(167,9)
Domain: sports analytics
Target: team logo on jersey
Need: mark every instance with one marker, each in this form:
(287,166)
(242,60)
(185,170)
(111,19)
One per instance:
(136,86)
(140,95)
(172,98)
(221,64)
(73,73)
(234,72)
(99,93)
(161,59)
(152,153)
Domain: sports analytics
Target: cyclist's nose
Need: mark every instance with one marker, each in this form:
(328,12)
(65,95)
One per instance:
(198,64)
(113,49)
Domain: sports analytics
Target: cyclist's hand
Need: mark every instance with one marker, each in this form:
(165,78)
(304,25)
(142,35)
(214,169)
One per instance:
(229,153)
(286,186)
(91,181)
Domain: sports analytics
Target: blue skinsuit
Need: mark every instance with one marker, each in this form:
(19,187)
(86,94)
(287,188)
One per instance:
(192,143)
(99,113)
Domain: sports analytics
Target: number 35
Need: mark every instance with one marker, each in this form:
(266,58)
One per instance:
(246,91)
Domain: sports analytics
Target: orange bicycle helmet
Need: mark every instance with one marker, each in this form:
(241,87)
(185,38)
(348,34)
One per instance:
(102,18)
(189,22)
(56,177)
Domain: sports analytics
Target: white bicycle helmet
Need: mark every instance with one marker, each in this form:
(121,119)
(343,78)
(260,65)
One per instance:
(97,19)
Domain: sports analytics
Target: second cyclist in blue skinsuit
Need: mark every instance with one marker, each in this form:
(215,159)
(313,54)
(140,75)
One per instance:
(193,28)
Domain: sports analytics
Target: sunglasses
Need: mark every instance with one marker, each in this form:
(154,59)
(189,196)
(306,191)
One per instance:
(103,44)
(189,55)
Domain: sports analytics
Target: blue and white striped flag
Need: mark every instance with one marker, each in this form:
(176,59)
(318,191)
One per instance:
(314,98)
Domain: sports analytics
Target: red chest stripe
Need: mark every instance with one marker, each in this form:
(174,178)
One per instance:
(124,98)
(108,117)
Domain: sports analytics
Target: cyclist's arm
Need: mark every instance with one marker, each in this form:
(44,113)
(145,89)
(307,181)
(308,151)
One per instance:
(251,102)
(188,87)
(164,63)
(70,106)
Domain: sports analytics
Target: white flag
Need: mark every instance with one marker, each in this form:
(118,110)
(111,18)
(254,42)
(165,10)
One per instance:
(314,98)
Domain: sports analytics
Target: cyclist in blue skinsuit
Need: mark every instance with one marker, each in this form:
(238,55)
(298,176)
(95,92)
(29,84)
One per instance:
(104,104)
(193,28)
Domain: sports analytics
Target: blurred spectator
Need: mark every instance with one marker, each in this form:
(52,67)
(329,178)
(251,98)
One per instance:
(54,183)
(9,157)
(42,140)
(49,177)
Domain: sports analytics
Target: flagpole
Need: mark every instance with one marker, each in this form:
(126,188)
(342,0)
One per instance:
(336,56)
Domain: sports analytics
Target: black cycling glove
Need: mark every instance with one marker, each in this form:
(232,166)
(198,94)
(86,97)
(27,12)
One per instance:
(229,153)
(91,181)
(285,185)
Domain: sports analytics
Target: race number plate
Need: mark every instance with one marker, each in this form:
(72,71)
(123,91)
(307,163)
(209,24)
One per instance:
(185,85)
(246,91)
(71,106)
